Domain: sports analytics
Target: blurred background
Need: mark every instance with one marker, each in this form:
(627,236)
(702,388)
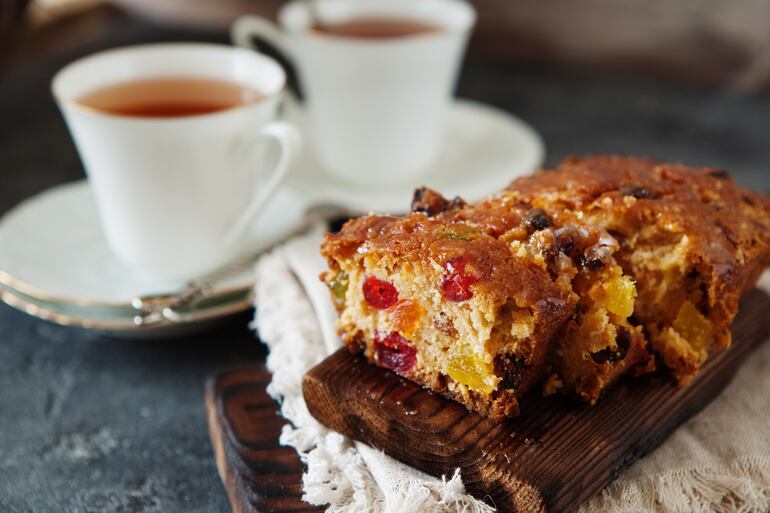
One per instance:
(724,43)
(682,81)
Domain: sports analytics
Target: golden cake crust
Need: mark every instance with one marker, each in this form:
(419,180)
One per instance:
(728,224)
(418,238)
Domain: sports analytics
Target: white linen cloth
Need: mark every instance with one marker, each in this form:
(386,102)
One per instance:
(719,461)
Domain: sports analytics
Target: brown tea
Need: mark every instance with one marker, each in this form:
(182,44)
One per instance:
(169,97)
(376,28)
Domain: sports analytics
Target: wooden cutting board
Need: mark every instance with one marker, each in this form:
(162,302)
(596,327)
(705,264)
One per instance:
(549,460)
(552,458)
(244,424)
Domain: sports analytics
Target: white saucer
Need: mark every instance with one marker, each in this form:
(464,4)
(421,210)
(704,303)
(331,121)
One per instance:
(484,150)
(55,262)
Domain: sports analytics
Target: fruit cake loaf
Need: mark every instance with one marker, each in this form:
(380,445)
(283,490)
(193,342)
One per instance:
(691,239)
(469,300)
(617,249)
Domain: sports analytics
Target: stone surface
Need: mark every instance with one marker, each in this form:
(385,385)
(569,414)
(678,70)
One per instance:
(93,424)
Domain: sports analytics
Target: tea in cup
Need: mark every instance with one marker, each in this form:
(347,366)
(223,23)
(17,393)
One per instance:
(174,139)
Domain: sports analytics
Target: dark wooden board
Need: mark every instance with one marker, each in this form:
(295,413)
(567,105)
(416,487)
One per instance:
(552,458)
(244,423)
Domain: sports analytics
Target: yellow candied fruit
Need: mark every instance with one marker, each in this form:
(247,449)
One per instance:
(620,294)
(471,371)
(694,327)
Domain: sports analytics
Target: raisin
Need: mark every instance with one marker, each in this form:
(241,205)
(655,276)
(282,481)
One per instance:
(510,369)
(623,340)
(608,355)
(605,355)
(456,285)
(565,239)
(719,174)
(394,352)
(550,306)
(595,258)
(378,293)
(536,219)
(640,192)
(588,263)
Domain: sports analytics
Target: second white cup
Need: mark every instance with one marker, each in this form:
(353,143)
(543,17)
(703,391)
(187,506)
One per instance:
(376,107)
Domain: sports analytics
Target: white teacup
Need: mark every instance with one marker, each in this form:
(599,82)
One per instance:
(376,107)
(176,194)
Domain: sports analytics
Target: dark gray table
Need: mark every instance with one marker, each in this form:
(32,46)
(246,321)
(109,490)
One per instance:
(88,423)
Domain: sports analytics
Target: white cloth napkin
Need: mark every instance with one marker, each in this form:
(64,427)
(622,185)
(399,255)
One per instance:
(719,461)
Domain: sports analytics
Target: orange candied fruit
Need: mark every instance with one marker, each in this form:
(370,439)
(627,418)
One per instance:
(406,316)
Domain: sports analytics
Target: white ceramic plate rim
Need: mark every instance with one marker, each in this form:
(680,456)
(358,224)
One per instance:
(238,283)
(48,311)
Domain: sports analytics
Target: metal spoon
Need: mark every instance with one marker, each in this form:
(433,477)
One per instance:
(166,307)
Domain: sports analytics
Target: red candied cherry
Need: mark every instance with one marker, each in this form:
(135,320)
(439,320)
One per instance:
(394,352)
(380,294)
(457,283)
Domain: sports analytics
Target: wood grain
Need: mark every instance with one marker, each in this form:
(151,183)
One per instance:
(244,424)
(552,458)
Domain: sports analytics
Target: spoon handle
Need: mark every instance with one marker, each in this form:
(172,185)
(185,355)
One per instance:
(166,307)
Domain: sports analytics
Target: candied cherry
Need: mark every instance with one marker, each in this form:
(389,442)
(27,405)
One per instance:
(457,283)
(379,294)
(394,352)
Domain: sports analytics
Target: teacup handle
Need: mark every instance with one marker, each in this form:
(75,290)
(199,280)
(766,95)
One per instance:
(262,35)
(289,143)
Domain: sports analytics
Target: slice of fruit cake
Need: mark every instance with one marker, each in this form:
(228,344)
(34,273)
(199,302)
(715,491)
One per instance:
(472,301)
